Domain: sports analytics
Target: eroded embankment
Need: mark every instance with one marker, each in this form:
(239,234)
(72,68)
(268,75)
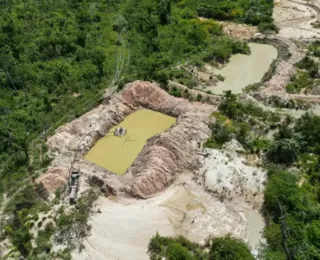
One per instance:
(158,164)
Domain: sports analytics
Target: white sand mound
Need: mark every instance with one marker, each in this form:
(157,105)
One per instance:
(228,175)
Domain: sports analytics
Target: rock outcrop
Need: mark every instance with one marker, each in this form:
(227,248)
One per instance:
(161,160)
(239,31)
(228,175)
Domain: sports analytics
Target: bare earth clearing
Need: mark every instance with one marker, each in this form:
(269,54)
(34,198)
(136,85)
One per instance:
(174,186)
(185,208)
(294,18)
(199,203)
(158,163)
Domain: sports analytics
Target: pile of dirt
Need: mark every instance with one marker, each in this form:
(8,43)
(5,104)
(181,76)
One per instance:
(289,54)
(239,31)
(158,164)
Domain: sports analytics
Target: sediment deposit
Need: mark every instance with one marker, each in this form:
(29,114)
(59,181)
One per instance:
(188,207)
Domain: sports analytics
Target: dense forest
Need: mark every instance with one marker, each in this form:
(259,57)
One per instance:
(58,56)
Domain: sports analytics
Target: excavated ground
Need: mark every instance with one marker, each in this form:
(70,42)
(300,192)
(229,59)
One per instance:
(187,190)
(223,196)
(158,164)
(294,18)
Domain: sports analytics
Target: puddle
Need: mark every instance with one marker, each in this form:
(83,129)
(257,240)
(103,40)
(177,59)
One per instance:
(243,70)
(255,227)
(118,153)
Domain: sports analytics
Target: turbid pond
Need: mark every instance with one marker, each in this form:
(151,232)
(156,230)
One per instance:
(255,228)
(243,70)
(118,153)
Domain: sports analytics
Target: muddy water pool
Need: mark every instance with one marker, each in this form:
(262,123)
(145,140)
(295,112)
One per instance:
(256,225)
(243,70)
(118,153)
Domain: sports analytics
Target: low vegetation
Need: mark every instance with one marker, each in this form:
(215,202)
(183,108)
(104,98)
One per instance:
(224,248)
(257,13)
(292,195)
(72,226)
(244,121)
(316,24)
(67,229)
(308,75)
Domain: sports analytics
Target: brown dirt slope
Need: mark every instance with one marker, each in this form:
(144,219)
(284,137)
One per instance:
(161,160)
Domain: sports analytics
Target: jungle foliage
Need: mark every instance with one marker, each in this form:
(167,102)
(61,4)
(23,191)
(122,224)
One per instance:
(292,208)
(246,11)
(221,248)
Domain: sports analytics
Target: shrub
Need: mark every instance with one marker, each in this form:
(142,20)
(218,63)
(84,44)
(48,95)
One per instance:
(176,251)
(176,92)
(281,186)
(221,133)
(285,151)
(265,26)
(229,248)
(43,240)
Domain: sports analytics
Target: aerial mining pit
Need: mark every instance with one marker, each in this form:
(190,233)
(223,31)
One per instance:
(173,131)
(167,185)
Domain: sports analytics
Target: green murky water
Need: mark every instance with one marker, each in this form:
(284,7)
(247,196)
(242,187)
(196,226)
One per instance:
(118,153)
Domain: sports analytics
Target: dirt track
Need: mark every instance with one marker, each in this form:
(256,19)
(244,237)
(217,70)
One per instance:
(294,18)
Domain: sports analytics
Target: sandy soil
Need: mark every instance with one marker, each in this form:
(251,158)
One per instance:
(294,18)
(239,31)
(125,225)
(123,228)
